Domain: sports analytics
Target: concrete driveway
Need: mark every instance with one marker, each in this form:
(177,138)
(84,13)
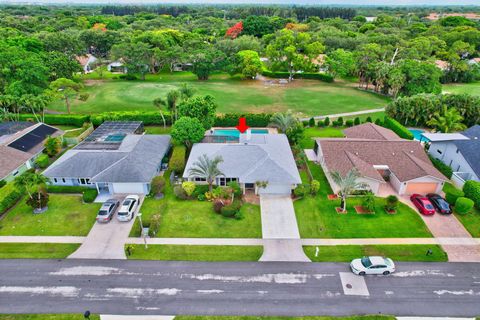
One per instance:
(106,240)
(280,230)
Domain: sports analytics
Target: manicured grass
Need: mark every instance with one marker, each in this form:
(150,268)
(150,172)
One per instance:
(197,253)
(310,134)
(196,219)
(366,317)
(470,88)
(157,130)
(308,97)
(65,127)
(471,220)
(37,250)
(395,252)
(66,216)
(317,218)
(47,317)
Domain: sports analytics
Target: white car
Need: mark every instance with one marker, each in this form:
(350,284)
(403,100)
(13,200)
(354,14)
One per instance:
(127,210)
(372,265)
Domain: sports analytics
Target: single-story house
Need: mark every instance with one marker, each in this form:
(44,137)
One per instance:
(20,145)
(382,159)
(115,159)
(117,66)
(460,151)
(86,61)
(255,158)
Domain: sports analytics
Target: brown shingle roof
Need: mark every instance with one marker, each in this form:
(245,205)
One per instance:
(11,159)
(370,131)
(406,159)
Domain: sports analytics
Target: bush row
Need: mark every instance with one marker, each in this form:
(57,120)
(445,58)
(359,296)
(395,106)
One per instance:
(89,195)
(472,191)
(399,129)
(442,167)
(304,75)
(9,196)
(177,160)
(148,117)
(66,189)
(59,119)
(253,119)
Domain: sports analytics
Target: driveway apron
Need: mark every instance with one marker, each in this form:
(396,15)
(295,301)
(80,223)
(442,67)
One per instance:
(106,240)
(279,230)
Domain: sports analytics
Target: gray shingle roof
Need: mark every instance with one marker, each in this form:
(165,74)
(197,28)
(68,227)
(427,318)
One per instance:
(267,158)
(470,149)
(136,160)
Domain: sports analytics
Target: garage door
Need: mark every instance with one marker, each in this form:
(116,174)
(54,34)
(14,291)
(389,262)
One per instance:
(275,189)
(136,188)
(421,187)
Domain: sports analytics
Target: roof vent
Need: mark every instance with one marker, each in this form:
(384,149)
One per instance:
(475,138)
(411,151)
(356,153)
(393,153)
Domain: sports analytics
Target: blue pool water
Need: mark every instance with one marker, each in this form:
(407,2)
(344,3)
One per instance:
(417,134)
(235,133)
(115,137)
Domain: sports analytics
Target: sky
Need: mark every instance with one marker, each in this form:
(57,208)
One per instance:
(316,2)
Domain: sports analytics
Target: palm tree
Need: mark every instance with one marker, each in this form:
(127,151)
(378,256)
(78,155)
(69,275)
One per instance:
(206,168)
(31,182)
(159,103)
(186,91)
(347,184)
(448,120)
(283,121)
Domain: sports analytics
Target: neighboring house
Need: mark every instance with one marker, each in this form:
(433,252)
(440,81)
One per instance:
(86,61)
(382,159)
(117,66)
(436,16)
(255,158)
(116,158)
(474,61)
(442,65)
(20,145)
(460,151)
(182,67)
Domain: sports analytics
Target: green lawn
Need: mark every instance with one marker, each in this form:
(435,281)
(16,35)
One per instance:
(196,219)
(66,216)
(471,221)
(197,253)
(308,97)
(470,88)
(395,252)
(46,317)
(366,317)
(311,133)
(157,130)
(36,250)
(317,218)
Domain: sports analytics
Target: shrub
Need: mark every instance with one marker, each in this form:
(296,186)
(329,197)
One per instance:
(128,76)
(472,191)
(89,195)
(53,146)
(232,209)
(463,205)
(180,193)
(38,200)
(369,202)
(311,122)
(235,186)
(157,185)
(2,183)
(442,167)
(379,122)
(177,160)
(83,96)
(201,197)
(218,205)
(189,187)
(369,119)
(452,195)
(66,189)
(339,122)
(42,161)
(320,123)
(327,121)
(399,129)
(147,117)
(391,202)
(200,190)
(305,123)
(299,191)
(154,224)
(253,119)
(349,123)
(314,187)
(59,119)
(9,196)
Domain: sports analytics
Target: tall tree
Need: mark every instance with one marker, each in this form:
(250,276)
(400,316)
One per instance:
(247,62)
(187,131)
(206,168)
(136,56)
(202,108)
(347,184)
(65,88)
(283,121)
(448,120)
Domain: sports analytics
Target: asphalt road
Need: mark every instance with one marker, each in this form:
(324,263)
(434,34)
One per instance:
(269,288)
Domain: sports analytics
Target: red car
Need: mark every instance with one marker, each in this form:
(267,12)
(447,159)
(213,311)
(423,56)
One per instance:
(422,203)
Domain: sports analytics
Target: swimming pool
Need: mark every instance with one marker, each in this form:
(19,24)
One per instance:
(117,137)
(235,133)
(417,134)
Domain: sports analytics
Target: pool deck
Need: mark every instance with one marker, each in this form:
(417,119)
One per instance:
(270,130)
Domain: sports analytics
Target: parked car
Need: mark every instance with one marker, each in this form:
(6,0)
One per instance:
(107,210)
(128,208)
(439,203)
(372,265)
(422,203)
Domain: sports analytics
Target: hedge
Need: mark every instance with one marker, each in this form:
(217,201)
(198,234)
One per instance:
(442,167)
(253,119)
(399,129)
(148,118)
(472,191)
(76,120)
(177,160)
(304,75)
(453,194)
(463,205)
(66,189)
(9,196)
(42,161)
(89,195)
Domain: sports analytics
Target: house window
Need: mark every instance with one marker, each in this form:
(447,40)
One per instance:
(199,179)
(63,180)
(55,180)
(450,163)
(458,169)
(457,151)
(438,150)
(224,181)
(15,173)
